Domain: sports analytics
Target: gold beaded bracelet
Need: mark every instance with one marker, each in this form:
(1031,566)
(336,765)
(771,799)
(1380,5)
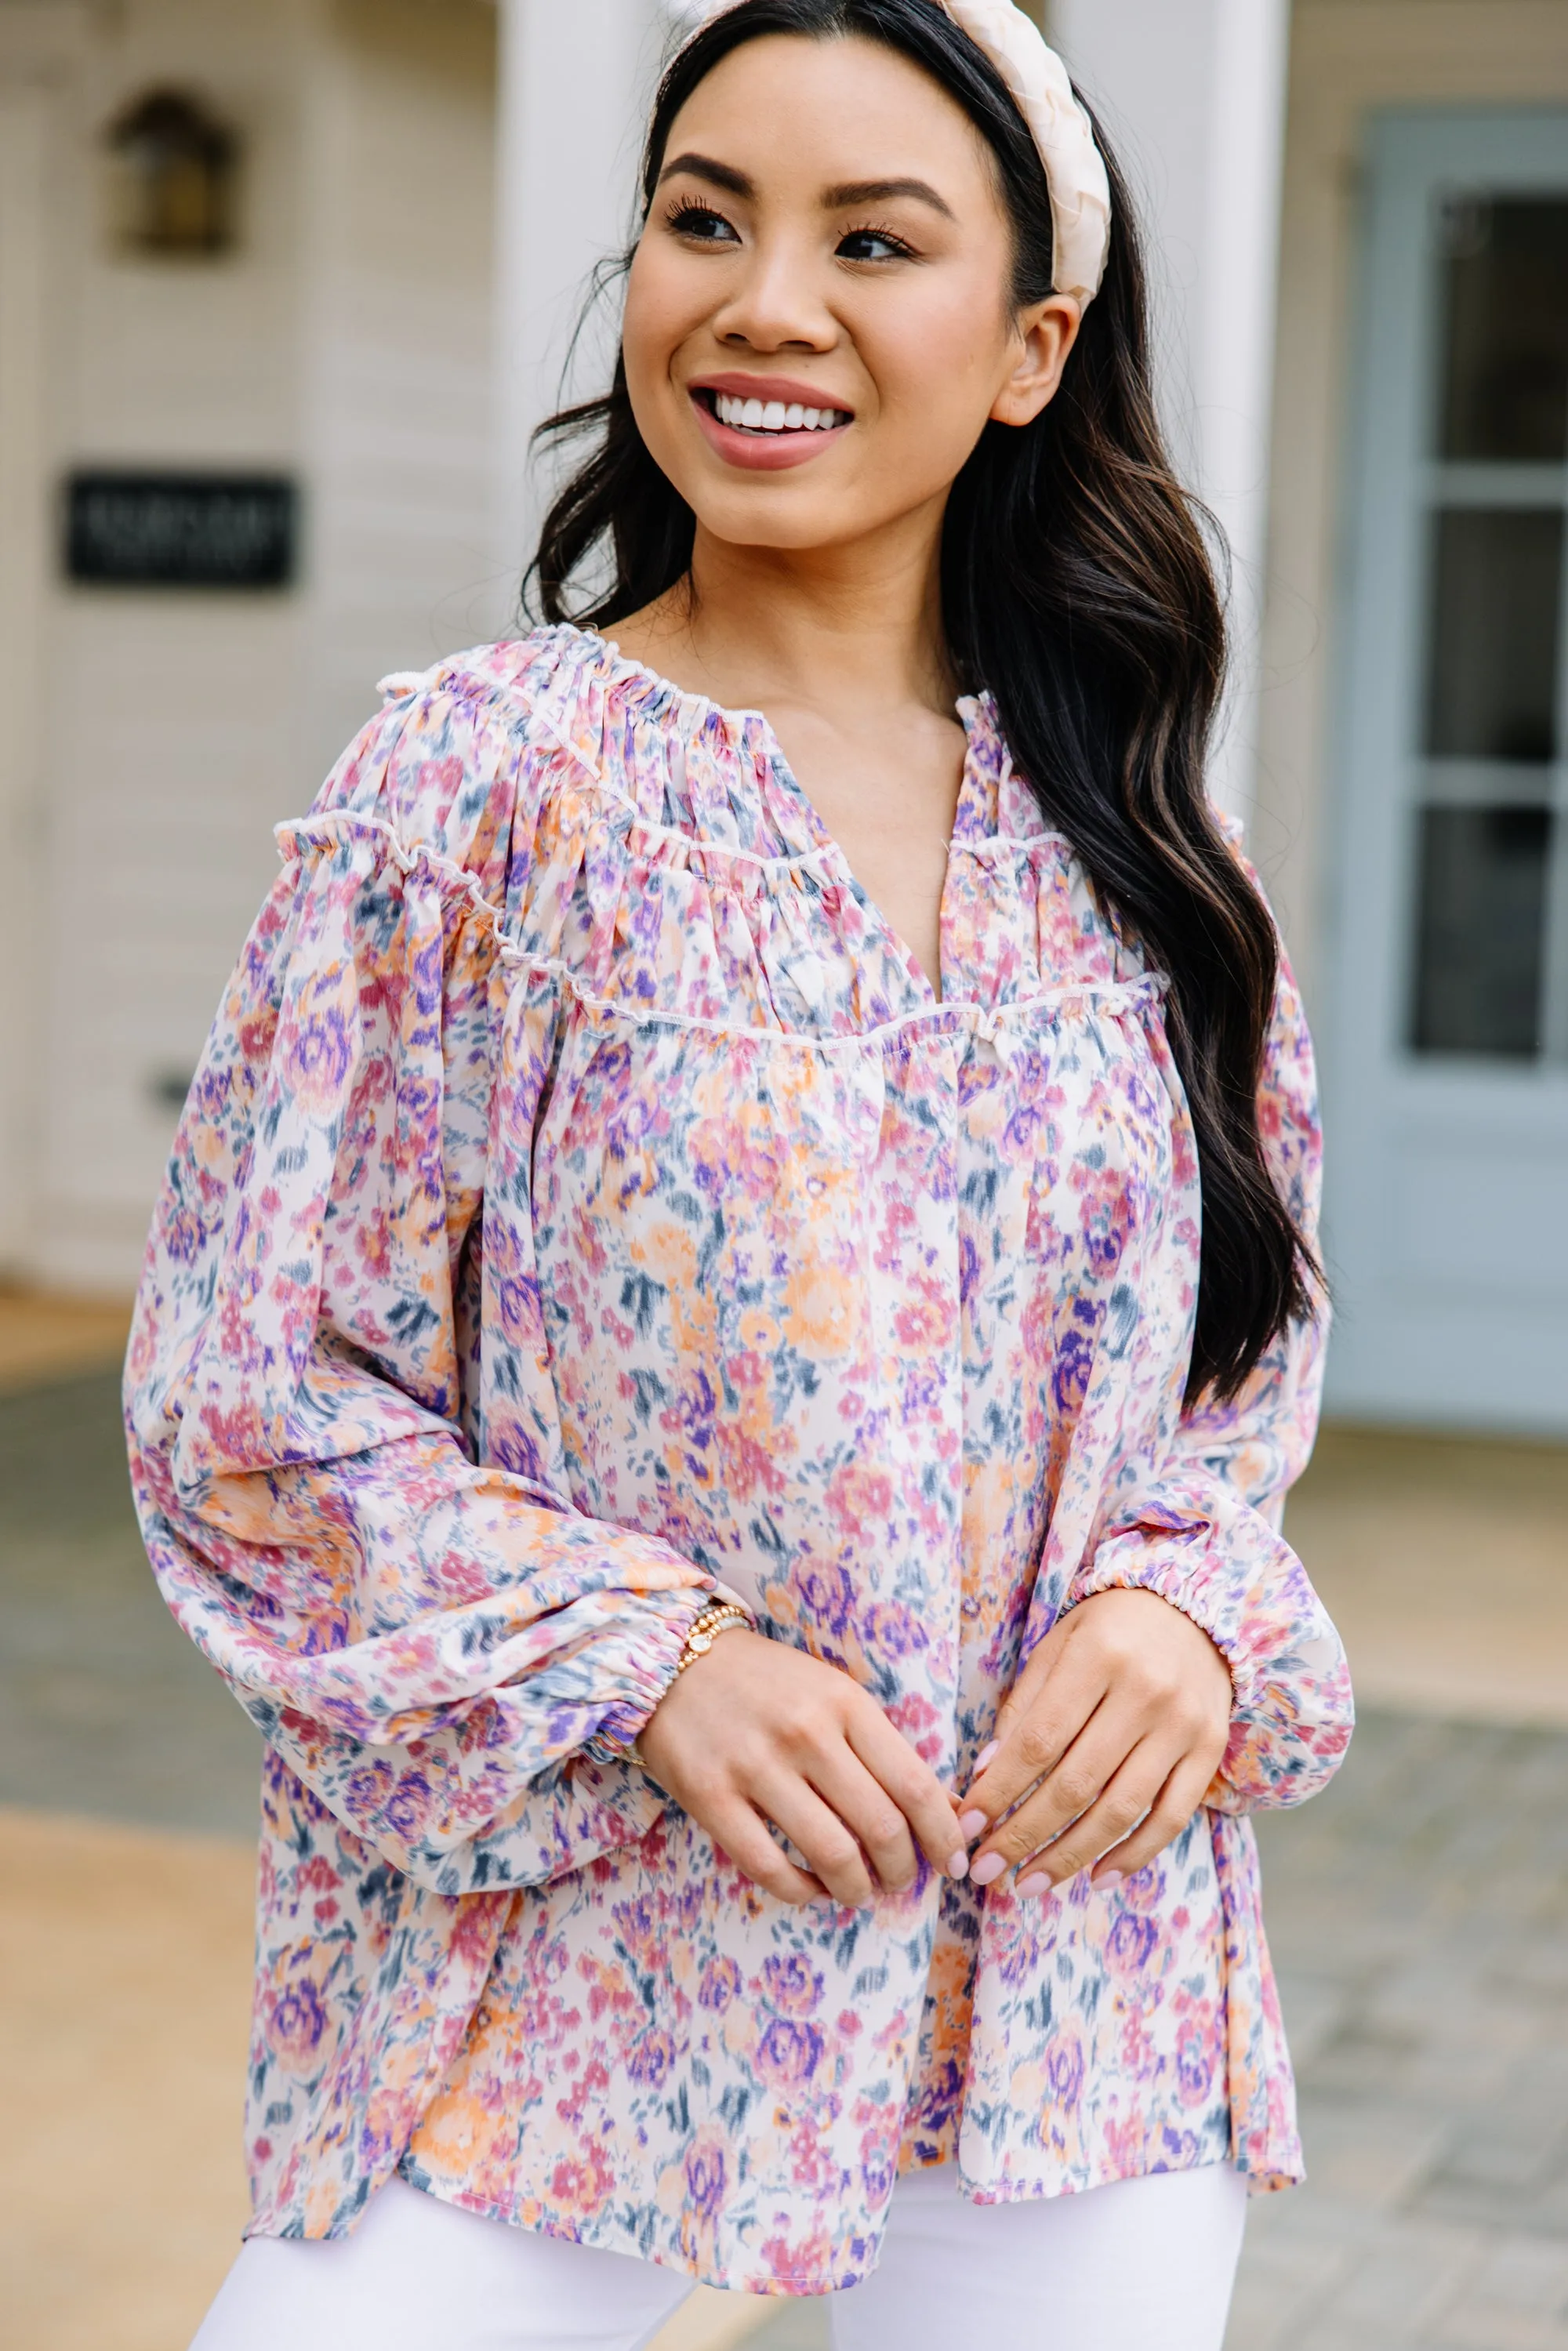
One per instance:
(718,1617)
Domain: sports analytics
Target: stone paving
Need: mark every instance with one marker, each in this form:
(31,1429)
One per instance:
(104,1706)
(1418,1914)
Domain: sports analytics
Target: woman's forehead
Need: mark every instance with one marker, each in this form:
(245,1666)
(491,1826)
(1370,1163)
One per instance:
(842,107)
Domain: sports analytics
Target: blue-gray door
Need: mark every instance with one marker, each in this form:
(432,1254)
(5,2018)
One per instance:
(1447,1047)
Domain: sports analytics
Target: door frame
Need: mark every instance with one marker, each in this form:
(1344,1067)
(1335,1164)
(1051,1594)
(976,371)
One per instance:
(1416,1351)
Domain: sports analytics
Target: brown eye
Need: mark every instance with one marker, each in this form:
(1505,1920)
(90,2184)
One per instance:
(701,223)
(873,245)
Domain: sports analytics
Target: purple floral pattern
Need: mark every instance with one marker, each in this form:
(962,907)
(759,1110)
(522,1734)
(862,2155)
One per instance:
(586,1203)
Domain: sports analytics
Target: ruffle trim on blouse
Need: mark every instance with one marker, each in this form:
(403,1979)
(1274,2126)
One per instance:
(687,768)
(697,777)
(953,1017)
(664,854)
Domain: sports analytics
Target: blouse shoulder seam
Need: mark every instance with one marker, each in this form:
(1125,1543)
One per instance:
(328,824)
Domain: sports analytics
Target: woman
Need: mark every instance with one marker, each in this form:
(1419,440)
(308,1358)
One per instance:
(681,1373)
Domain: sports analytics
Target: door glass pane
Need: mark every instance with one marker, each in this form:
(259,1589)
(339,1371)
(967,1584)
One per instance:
(1492,676)
(1481,948)
(1506,342)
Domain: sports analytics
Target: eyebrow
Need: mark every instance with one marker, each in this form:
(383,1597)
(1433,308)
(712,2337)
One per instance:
(884,192)
(843,198)
(719,175)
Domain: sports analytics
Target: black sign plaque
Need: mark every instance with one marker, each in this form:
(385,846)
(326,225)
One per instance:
(181,530)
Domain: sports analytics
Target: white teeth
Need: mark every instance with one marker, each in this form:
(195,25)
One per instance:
(773,415)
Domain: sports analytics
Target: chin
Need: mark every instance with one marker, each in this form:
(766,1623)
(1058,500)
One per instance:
(789,535)
(786,514)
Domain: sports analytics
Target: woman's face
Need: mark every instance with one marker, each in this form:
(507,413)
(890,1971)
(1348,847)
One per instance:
(820,321)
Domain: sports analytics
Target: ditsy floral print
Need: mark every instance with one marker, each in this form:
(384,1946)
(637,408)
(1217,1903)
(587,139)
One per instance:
(585,1204)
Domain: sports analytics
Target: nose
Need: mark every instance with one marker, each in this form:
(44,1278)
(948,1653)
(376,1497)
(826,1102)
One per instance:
(776,304)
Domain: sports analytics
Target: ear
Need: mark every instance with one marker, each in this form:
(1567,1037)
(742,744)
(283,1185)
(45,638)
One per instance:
(1045,335)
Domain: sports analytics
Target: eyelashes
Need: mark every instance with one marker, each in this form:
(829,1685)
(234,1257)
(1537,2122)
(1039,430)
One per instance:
(900,249)
(685,215)
(688,216)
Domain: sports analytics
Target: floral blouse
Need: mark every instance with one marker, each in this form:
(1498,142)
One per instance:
(586,1203)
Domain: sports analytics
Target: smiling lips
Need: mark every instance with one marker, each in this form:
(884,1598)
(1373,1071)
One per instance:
(766,428)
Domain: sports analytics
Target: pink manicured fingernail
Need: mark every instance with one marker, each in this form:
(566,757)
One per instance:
(986,1757)
(1109,1883)
(958,1866)
(1028,1888)
(972,1824)
(988,1869)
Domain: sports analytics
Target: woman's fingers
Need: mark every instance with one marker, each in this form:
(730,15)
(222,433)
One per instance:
(860,1800)
(911,1785)
(828,1844)
(1124,1667)
(745,1838)
(1174,1805)
(1078,1784)
(1054,1698)
(1126,1800)
(757,1727)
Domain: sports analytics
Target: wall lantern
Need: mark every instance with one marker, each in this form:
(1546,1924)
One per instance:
(174,175)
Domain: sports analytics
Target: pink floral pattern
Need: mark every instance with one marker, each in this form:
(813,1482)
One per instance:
(585,1202)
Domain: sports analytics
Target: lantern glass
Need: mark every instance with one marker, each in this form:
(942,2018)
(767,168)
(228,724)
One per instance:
(174,167)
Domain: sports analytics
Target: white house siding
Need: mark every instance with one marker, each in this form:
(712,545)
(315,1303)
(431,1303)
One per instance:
(1348,57)
(168,718)
(347,342)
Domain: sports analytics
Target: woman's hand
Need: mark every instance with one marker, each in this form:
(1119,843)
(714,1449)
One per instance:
(1118,1725)
(756,1732)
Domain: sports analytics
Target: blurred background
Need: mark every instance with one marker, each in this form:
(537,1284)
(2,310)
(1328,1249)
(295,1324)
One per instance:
(284,284)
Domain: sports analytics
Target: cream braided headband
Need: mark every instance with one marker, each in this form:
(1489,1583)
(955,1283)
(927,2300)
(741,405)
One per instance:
(1074,167)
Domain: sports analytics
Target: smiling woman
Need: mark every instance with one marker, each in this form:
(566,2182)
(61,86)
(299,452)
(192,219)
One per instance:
(858,282)
(735,1307)
(887,294)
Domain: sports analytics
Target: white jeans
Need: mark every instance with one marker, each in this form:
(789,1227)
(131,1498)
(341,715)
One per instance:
(1146,2265)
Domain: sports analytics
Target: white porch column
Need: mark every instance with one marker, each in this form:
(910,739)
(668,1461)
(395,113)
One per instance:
(575,75)
(1193,92)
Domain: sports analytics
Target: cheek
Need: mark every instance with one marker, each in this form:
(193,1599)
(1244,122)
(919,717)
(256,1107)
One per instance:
(937,369)
(661,313)
(643,329)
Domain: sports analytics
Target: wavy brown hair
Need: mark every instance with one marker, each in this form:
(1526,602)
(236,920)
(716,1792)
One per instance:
(1078,588)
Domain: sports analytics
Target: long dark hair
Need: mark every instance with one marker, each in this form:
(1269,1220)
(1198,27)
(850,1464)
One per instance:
(1077,587)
